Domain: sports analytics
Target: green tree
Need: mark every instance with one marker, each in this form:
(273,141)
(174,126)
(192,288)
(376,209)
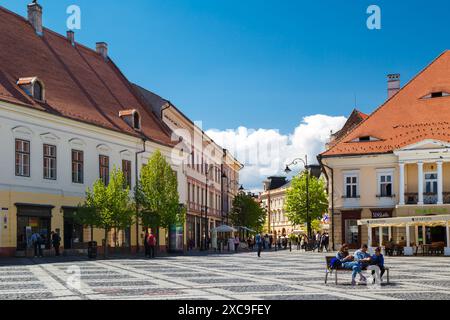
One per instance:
(107,207)
(316,225)
(246,212)
(296,199)
(157,194)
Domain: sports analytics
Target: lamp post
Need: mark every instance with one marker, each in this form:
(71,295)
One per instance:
(288,170)
(228,185)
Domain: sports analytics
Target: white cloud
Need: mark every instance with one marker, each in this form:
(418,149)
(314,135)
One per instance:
(265,152)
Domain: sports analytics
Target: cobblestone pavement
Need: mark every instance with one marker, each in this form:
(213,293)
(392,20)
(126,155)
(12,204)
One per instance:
(275,276)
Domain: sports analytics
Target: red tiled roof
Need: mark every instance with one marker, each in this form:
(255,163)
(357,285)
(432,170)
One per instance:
(406,118)
(355,118)
(79,83)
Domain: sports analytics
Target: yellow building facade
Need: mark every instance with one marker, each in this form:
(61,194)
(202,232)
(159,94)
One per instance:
(389,175)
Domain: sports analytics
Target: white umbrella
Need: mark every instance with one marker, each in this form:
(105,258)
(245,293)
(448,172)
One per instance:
(224,228)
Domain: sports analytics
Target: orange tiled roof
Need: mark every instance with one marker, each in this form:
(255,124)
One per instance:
(406,118)
(79,83)
(355,118)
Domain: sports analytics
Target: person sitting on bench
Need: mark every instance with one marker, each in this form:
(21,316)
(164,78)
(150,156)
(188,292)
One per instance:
(347,262)
(377,260)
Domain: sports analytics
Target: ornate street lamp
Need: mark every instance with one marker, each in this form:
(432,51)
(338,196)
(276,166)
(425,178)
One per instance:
(228,185)
(288,171)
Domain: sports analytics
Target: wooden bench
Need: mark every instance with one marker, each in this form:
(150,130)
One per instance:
(329,271)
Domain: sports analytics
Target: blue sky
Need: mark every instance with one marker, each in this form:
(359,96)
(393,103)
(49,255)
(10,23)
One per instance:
(260,64)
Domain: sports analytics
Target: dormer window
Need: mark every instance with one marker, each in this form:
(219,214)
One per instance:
(365,139)
(437,94)
(38,91)
(132,118)
(32,87)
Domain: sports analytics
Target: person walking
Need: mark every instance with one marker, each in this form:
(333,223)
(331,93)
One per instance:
(146,247)
(326,241)
(56,242)
(36,241)
(302,243)
(236,243)
(259,244)
(317,242)
(151,244)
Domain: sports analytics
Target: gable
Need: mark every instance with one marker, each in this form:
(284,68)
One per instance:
(406,118)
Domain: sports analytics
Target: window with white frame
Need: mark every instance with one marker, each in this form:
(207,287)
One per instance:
(22,158)
(386,184)
(49,162)
(351,185)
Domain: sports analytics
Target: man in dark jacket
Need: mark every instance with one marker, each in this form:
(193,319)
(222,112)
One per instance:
(56,242)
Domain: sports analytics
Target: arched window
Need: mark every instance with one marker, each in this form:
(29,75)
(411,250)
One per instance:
(38,91)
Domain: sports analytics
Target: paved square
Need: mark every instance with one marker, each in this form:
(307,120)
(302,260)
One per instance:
(281,275)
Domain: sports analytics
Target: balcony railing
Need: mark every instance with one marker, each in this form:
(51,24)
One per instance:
(428,198)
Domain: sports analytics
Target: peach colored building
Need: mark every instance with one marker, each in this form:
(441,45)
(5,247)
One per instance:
(389,176)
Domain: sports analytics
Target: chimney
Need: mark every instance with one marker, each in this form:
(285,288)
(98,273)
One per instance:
(102,49)
(35,16)
(393,84)
(71,37)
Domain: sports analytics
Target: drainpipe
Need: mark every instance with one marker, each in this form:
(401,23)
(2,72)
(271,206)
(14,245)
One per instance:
(144,140)
(324,167)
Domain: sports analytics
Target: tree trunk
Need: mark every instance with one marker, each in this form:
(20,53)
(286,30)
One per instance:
(106,244)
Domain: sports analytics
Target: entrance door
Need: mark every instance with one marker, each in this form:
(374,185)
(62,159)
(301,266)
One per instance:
(73,231)
(351,232)
(33,219)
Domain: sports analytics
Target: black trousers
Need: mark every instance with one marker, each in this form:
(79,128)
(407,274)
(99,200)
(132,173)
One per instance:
(382,269)
(37,250)
(57,250)
(151,250)
(259,250)
(146,250)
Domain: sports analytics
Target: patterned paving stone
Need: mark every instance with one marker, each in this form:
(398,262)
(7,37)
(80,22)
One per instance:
(15,273)
(260,288)
(105,277)
(322,297)
(114,292)
(280,275)
(120,283)
(27,296)
(220,281)
(419,296)
(18,280)
(21,286)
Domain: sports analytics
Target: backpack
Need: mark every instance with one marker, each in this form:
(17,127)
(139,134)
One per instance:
(151,240)
(335,263)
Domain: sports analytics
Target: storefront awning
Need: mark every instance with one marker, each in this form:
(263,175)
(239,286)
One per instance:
(441,220)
